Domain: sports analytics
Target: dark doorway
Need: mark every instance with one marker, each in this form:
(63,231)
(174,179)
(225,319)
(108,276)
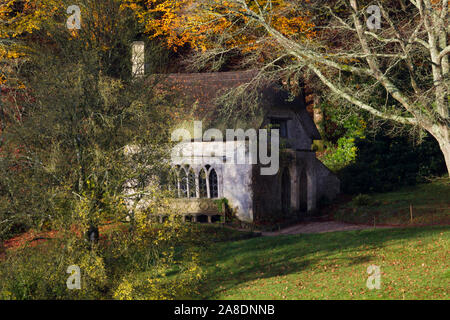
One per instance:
(303,192)
(285,192)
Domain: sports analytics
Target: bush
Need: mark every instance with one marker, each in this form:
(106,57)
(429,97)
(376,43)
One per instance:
(159,262)
(342,155)
(362,200)
(384,164)
(41,272)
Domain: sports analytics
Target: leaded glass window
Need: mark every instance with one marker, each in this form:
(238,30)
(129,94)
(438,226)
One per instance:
(213,184)
(184,183)
(191,184)
(202,184)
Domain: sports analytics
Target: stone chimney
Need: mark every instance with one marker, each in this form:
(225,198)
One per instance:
(138,58)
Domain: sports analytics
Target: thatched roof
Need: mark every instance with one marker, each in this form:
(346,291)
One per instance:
(199,92)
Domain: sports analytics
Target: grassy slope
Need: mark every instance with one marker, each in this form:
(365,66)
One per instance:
(431,205)
(414,264)
(414,261)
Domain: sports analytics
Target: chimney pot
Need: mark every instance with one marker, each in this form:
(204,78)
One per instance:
(138,58)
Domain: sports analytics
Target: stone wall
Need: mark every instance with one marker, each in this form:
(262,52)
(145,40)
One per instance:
(234,178)
(328,184)
(267,190)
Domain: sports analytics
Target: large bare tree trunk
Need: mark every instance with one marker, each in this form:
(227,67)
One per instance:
(443,138)
(446,151)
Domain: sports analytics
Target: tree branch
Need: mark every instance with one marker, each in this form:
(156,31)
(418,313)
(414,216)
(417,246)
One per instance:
(359,103)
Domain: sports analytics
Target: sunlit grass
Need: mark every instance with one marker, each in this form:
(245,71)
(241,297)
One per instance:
(430,204)
(414,264)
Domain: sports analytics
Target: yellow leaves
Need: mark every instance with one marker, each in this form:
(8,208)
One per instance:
(124,291)
(10,54)
(33,15)
(197,24)
(17,23)
(156,283)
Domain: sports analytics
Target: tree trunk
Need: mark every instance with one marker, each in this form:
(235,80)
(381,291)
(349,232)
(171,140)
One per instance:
(442,135)
(319,121)
(445,148)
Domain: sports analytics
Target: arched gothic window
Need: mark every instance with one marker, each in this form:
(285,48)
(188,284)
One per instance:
(303,192)
(285,191)
(213,184)
(184,181)
(202,184)
(191,184)
(173,182)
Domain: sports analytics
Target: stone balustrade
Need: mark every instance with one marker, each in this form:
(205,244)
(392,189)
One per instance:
(192,209)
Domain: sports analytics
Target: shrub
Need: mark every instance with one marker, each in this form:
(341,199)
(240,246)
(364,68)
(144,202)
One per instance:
(41,272)
(153,285)
(342,155)
(153,262)
(362,200)
(384,164)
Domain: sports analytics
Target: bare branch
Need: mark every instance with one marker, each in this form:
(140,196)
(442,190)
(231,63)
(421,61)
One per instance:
(359,103)
(443,53)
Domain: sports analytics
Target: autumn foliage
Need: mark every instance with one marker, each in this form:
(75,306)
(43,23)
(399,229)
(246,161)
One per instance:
(201,24)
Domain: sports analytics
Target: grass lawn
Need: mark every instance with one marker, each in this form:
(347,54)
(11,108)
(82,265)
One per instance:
(430,205)
(414,264)
(414,261)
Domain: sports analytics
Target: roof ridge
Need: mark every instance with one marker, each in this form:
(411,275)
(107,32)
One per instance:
(213,72)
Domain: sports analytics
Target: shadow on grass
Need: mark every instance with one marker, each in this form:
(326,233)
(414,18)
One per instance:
(231,264)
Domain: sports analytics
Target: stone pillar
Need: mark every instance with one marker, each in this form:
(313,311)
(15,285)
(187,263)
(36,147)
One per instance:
(197,184)
(208,193)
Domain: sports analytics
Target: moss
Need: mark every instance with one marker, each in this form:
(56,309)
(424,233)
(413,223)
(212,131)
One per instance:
(222,204)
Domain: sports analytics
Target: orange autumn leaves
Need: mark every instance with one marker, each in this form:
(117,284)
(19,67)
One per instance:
(178,22)
(199,23)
